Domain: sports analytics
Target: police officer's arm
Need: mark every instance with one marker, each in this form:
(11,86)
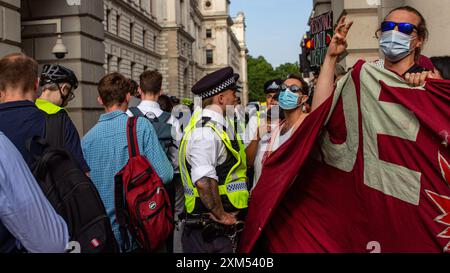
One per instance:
(325,83)
(208,190)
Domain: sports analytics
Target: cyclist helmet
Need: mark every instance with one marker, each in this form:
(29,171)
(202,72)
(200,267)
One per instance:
(54,73)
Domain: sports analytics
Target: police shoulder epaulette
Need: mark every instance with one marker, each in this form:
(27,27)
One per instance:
(202,123)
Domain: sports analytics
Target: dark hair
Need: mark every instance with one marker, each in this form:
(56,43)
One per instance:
(151,82)
(442,64)
(174,100)
(113,89)
(305,86)
(134,88)
(18,71)
(165,103)
(422,29)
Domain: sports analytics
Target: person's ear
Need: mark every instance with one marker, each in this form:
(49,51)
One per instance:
(220,98)
(303,99)
(140,91)
(65,89)
(128,98)
(420,42)
(36,85)
(100,101)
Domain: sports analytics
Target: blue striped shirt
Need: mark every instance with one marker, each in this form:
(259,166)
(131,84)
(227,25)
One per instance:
(105,149)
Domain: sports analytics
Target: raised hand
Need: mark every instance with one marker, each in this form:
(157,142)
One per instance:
(338,43)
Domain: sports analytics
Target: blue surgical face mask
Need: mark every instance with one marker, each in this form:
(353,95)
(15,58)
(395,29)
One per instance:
(395,45)
(288,100)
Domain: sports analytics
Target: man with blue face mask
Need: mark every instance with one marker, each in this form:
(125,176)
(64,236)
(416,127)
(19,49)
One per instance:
(292,98)
(402,36)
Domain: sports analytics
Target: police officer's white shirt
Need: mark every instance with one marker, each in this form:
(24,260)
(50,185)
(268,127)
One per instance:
(148,107)
(205,149)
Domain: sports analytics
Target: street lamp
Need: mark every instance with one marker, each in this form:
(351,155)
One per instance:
(59,50)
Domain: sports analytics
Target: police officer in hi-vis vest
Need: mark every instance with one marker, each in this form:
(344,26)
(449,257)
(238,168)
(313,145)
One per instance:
(213,169)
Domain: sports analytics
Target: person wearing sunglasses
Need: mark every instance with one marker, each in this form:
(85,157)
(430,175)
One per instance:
(402,36)
(293,95)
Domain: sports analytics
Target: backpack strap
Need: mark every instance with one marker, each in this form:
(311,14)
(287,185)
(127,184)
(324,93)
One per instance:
(165,116)
(136,112)
(133,147)
(122,215)
(54,129)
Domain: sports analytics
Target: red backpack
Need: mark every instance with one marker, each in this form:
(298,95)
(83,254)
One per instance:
(141,201)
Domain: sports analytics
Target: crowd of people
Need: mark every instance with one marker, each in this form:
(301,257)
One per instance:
(209,158)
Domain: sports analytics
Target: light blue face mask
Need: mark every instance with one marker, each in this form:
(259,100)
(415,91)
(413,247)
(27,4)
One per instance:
(395,45)
(288,100)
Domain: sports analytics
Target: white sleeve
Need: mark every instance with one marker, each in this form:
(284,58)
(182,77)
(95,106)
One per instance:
(203,151)
(177,135)
(251,131)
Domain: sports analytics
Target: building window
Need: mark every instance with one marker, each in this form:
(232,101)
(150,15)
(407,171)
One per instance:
(107,20)
(118,22)
(109,64)
(144,38)
(182,8)
(208,33)
(132,32)
(119,65)
(133,71)
(154,42)
(208,4)
(209,56)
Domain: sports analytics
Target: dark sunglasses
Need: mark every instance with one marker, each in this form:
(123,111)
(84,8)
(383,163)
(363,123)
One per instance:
(405,28)
(292,88)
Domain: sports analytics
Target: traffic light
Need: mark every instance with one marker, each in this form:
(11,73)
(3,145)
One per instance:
(305,58)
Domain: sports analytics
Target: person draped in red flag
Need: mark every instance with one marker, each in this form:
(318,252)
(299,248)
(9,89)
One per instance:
(367,171)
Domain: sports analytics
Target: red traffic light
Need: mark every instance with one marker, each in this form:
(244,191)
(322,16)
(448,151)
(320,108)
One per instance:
(308,43)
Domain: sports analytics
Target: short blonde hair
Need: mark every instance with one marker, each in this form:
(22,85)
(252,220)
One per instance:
(207,102)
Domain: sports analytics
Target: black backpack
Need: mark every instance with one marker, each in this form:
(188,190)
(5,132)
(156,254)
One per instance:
(72,194)
(162,128)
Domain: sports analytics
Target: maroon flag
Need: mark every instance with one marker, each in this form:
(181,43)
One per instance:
(366,172)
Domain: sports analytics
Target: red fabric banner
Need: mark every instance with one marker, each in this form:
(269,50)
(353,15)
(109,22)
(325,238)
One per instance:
(366,172)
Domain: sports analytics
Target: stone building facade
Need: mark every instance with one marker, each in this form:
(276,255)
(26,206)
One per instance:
(368,14)
(183,39)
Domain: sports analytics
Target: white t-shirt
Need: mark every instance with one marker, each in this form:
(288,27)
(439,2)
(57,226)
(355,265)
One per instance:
(147,107)
(275,141)
(258,164)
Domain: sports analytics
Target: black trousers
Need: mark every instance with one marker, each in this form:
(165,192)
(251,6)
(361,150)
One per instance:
(193,242)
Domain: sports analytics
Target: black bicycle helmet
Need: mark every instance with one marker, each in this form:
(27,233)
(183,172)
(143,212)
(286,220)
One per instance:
(54,73)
